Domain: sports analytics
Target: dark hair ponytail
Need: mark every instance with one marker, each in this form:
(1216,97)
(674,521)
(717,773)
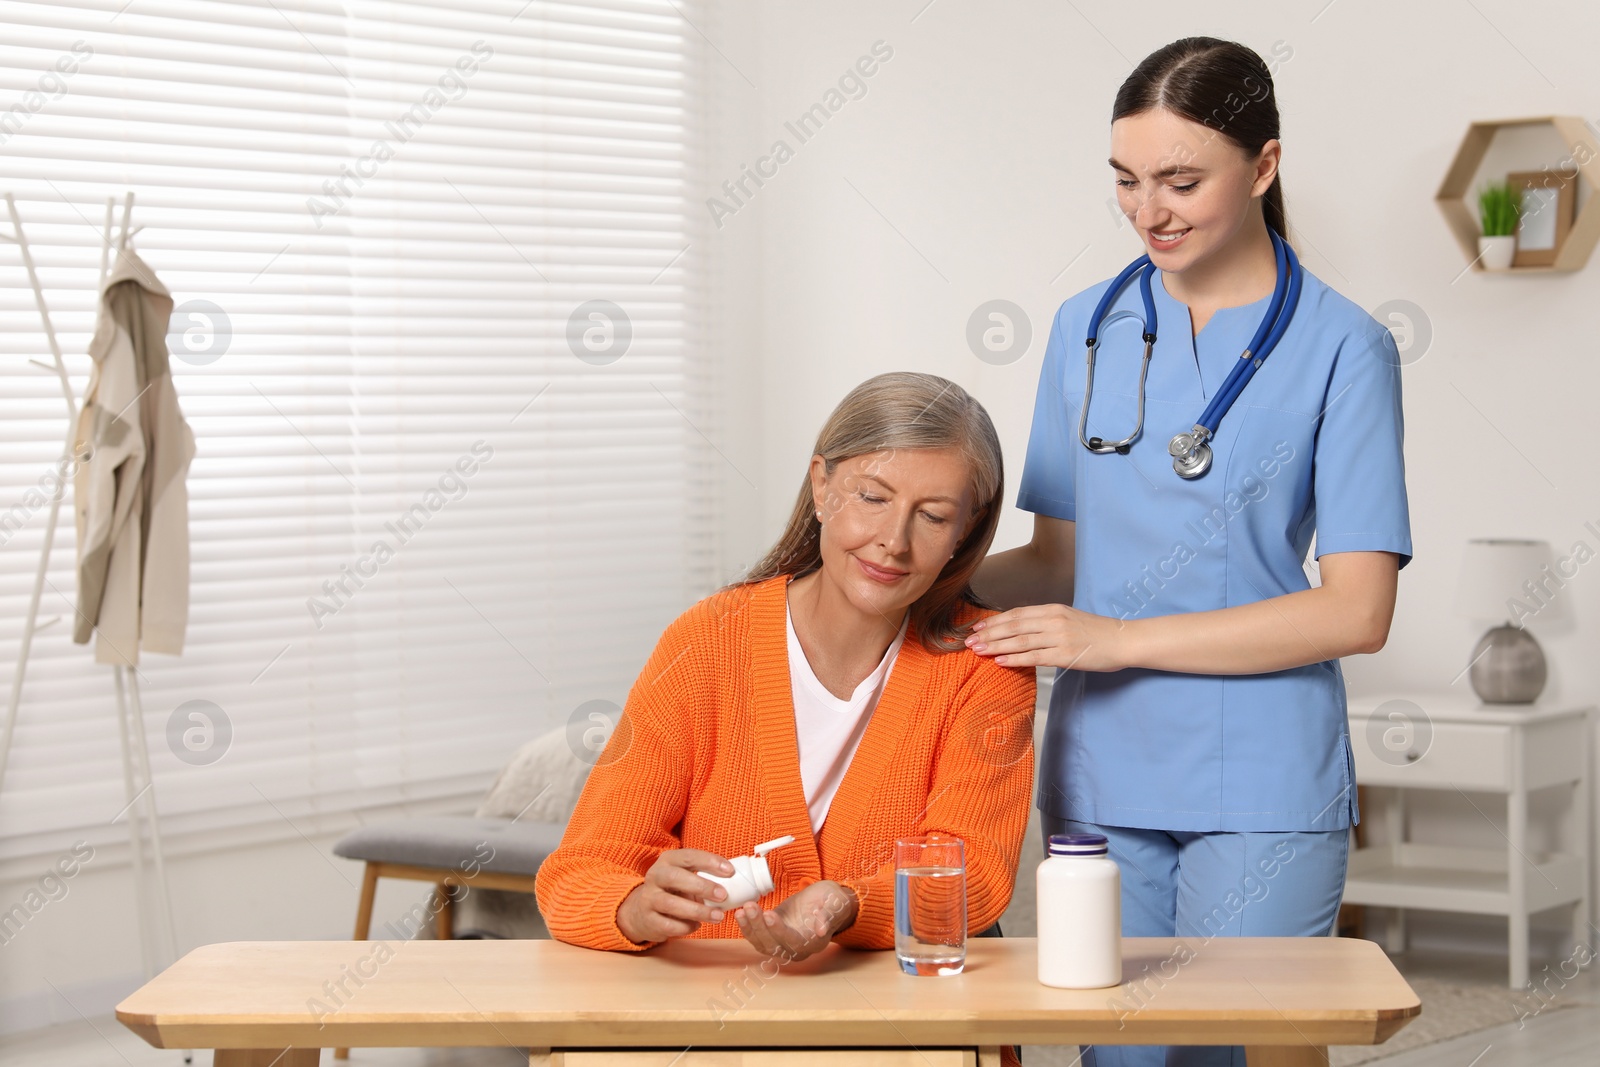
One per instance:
(1220,84)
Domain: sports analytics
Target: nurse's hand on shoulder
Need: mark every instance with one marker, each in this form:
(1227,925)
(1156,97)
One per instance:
(803,924)
(674,900)
(1051,635)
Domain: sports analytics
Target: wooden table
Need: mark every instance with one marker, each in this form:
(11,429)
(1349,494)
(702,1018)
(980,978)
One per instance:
(1284,998)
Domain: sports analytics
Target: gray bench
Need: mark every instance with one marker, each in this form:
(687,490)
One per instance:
(451,852)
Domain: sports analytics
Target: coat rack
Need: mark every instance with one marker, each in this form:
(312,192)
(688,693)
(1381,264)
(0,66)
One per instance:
(138,784)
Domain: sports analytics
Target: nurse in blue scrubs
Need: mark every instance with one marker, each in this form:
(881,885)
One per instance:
(1198,716)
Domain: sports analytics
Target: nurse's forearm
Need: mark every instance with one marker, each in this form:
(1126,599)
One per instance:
(1348,614)
(1268,635)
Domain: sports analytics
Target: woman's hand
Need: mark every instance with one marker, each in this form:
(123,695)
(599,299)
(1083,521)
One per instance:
(801,925)
(674,900)
(1053,635)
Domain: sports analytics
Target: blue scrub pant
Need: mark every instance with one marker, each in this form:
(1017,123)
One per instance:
(1204,885)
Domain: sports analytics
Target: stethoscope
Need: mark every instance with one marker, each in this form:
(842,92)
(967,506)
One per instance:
(1191,455)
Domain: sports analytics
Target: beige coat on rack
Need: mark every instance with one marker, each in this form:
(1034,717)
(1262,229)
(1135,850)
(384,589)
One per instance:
(133,448)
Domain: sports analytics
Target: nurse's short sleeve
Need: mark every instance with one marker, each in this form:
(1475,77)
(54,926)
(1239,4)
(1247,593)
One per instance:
(1047,485)
(1358,473)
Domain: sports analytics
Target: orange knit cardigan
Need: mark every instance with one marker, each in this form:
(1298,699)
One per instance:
(706,756)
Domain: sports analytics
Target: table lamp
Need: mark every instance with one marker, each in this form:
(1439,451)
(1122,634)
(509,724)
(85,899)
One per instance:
(1510,581)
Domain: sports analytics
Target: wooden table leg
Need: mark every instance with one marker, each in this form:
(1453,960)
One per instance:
(444,921)
(1286,1055)
(266,1057)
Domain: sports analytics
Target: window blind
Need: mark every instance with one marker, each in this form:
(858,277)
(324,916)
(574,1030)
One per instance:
(436,268)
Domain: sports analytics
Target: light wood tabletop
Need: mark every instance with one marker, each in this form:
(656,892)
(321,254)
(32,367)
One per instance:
(1305,992)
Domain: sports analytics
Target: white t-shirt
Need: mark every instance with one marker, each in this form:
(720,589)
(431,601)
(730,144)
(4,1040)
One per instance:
(830,729)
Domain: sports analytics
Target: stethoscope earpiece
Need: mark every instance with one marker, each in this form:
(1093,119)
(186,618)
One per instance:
(1097,444)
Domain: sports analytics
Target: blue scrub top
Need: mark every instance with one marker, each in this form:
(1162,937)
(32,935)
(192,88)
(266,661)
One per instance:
(1312,445)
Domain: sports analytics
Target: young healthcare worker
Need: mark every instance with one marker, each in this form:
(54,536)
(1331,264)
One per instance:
(1198,715)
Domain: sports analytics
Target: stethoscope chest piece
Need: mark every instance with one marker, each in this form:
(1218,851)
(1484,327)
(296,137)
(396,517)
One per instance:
(1191,456)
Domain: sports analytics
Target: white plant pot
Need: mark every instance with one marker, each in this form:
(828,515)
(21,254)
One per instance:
(1495,253)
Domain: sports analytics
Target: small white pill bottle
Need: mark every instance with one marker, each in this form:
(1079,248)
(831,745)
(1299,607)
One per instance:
(1080,914)
(751,879)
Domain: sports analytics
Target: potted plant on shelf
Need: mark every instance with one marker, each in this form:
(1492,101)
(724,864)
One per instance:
(1497,214)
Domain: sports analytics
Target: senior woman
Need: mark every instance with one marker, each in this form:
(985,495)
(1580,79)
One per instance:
(829,696)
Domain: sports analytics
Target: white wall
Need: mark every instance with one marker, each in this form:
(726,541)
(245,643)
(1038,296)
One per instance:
(981,148)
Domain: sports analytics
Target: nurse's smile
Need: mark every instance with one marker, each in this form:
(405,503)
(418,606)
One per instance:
(1186,190)
(1168,240)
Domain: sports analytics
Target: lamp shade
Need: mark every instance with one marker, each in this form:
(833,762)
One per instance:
(1494,577)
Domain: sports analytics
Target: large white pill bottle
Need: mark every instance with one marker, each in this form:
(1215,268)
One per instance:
(1080,914)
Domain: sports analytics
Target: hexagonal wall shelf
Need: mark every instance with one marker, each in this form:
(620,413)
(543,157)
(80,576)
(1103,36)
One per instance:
(1583,156)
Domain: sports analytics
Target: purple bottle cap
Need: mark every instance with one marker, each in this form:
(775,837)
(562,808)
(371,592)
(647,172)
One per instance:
(1078,845)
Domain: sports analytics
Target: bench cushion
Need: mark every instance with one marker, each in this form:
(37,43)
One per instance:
(454,843)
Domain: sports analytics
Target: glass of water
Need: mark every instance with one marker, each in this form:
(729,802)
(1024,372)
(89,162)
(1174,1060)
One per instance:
(930,904)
